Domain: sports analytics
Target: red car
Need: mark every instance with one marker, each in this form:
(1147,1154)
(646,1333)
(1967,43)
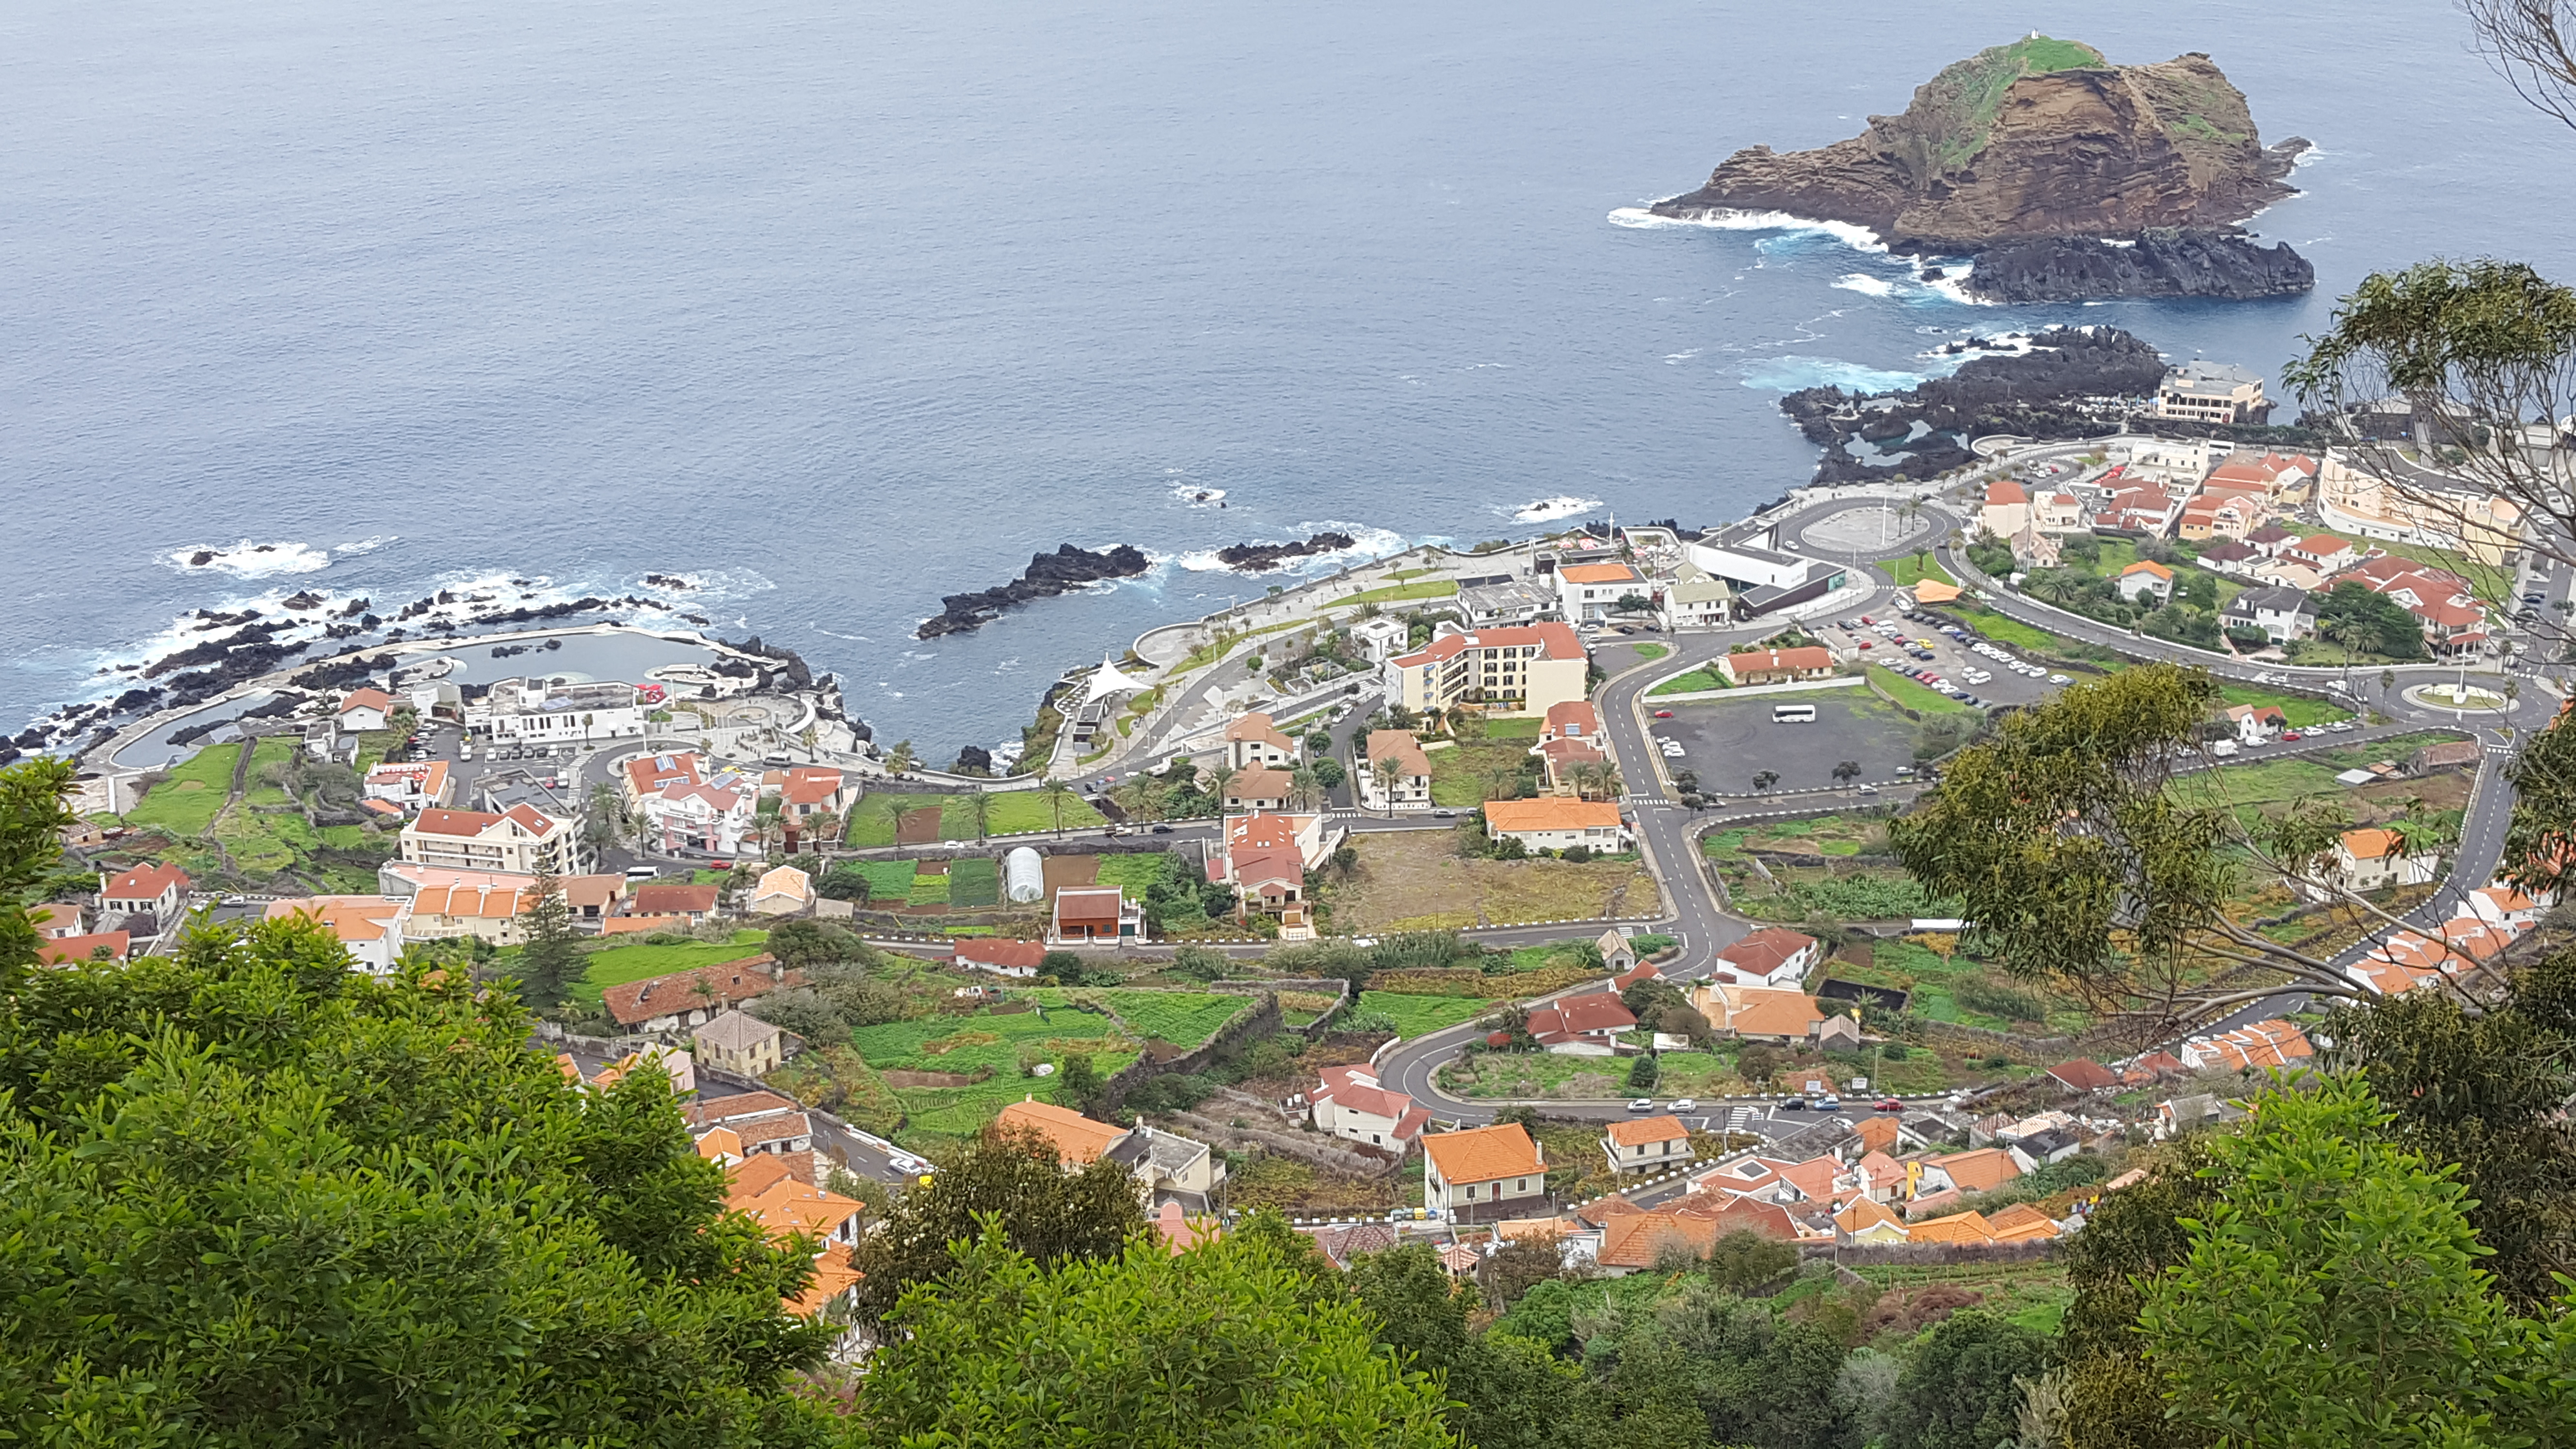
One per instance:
(2289,735)
(1890,1104)
(1663,714)
(1865,644)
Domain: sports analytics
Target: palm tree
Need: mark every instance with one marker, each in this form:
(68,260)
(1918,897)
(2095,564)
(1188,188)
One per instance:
(1387,772)
(1304,789)
(1586,775)
(1765,779)
(1846,772)
(821,829)
(2387,680)
(1215,779)
(979,808)
(1056,792)
(1612,787)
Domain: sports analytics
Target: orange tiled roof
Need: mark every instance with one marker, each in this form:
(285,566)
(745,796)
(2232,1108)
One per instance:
(1076,1138)
(1863,1215)
(2021,1223)
(1483,1154)
(1981,1169)
(1967,1227)
(1636,1132)
(1551,812)
(1600,573)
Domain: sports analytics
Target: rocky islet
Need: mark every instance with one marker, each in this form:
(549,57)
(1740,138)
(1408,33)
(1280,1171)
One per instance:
(2045,139)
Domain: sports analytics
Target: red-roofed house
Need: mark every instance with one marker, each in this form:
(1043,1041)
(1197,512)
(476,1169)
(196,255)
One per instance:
(2369,858)
(1252,741)
(1483,1172)
(55,950)
(685,1000)
(2145,578)
(2007,509)
(700,816)
(365,709)
(810,790)
(2324,552)
(652,774)
(1774,956)
(2264,1044)
(2083,1074)
(152,888)
(1581,1026)
(1778,666)
(1349,1102)
(999,956)
(518,841)
(1408,787)
(1095,916)
(1646,1144)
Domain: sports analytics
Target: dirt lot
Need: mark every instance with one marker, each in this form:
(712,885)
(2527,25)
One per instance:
(1069,870)
(1416,880)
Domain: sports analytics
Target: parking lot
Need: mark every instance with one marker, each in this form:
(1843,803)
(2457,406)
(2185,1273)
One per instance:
(1727,741)
(1952,659)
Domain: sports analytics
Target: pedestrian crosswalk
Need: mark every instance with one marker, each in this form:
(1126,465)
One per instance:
(1739,1119)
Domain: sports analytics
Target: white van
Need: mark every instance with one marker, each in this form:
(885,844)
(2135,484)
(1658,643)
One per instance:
(1793,714)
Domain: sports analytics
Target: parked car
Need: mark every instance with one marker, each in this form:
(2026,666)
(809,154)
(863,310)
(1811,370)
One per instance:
(1793,1104)
(1444,814)
(1642,1104)
(2289,735)
(1829,1104)
(1663,714)
(1162,830)
(1890,1104)
(1684,1104)
(2059,679)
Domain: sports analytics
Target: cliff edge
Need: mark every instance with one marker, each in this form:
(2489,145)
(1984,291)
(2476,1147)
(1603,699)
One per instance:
(2039,138)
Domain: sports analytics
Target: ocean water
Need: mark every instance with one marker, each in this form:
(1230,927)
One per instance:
(834,308)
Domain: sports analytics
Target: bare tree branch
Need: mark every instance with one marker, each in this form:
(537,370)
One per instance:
(2532,44)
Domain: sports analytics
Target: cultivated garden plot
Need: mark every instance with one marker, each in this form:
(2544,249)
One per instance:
(879,819)
(1416,880)
(616,965)
(1830,868)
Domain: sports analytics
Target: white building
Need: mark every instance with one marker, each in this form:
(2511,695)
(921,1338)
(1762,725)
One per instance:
(1349,1103)
(1589,593)
(519,841)
(554,711)
(1381,638)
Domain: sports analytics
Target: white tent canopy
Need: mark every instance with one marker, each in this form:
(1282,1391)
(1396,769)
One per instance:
(1108,682)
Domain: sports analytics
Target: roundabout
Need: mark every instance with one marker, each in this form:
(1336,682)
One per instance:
(2457,696)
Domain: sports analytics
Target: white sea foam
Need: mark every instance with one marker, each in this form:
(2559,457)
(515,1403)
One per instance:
(2310,155)
(1791,373)
(1548,510)
(1866,285)
(248,560)
(368,544)
(1858,238)
(1198,496)
(1672,357)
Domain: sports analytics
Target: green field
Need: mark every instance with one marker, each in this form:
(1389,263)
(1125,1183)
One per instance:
(1183,1018)
(2007,631)
(1913,695)
(273,750)
(872,822)
(974,883)
(1467,775)
(1691,683)
(1909,570)
(1135,873)
(984,1042)
(1521,729)
(888,880)
(2300,710)
(1422,1015)
(1400,593)
(185,803)
(928,890)
(620,964)
(1652,651)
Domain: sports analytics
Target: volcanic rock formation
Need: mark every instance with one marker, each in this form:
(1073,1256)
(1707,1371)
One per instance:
(2039,138)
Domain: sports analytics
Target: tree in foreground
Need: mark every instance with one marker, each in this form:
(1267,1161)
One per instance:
(1223,1345)
(550,960)
(2332,1294)
(248,1196)
(2089,861)
(1049,1215)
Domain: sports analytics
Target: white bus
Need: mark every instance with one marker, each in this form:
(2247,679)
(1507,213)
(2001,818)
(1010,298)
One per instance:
(1793,714)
